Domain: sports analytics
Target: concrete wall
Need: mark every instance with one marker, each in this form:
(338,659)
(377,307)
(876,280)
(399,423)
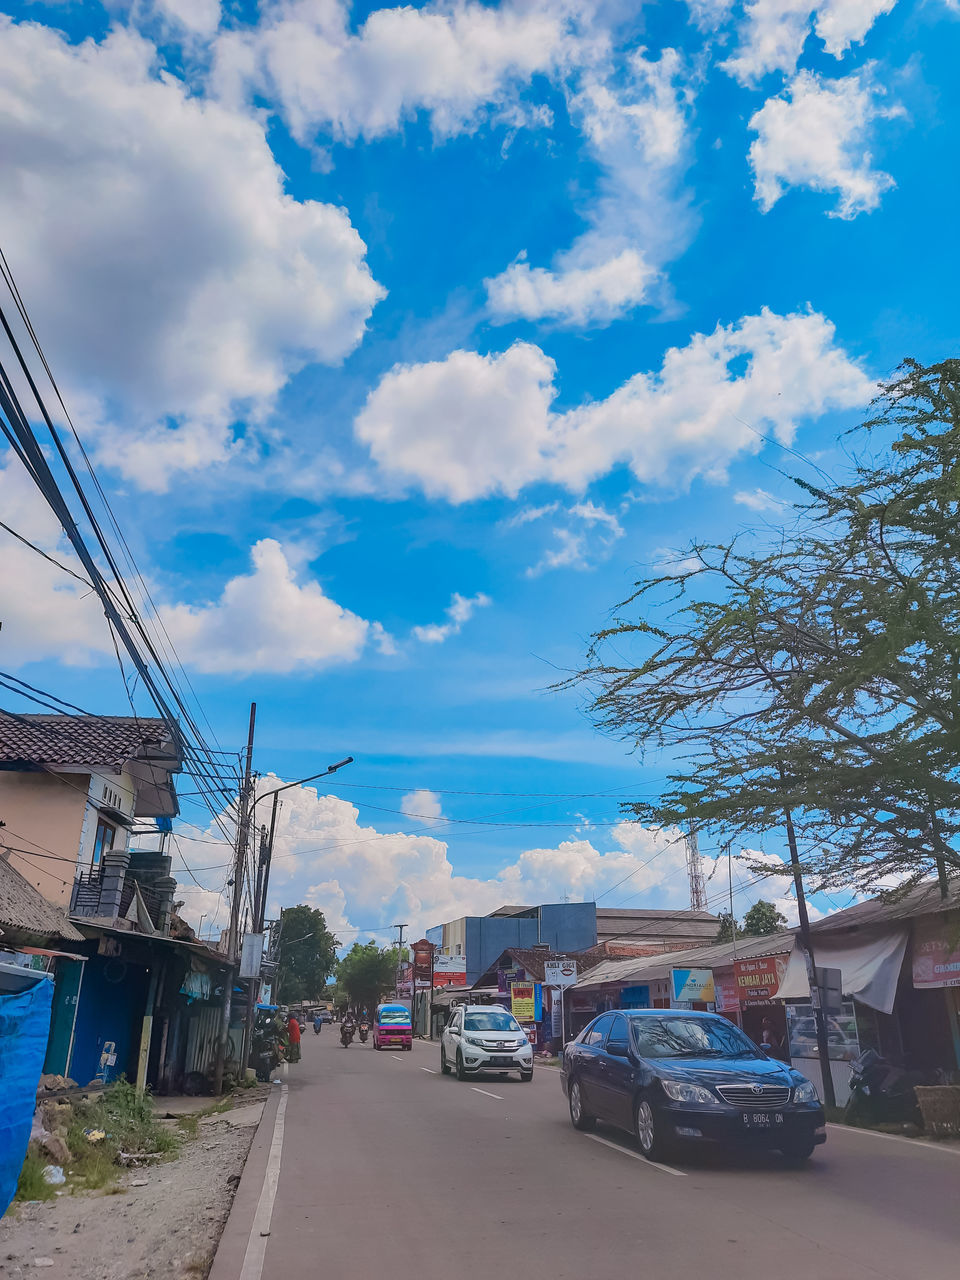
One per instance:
(44,813)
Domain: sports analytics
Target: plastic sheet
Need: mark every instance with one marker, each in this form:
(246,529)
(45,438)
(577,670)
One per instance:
(24,1030)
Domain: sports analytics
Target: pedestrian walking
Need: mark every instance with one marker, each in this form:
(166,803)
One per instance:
(293,1035)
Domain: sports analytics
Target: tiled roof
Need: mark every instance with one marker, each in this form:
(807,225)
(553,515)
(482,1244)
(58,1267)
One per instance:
(80,740)
(24,912)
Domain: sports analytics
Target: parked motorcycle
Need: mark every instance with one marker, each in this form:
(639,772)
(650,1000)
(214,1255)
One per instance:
(346,1035)
(881,1091)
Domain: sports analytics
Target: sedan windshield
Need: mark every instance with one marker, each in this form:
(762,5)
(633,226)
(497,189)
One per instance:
(494,1020)
(679,1037)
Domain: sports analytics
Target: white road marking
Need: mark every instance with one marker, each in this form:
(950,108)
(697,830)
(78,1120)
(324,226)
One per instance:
(429,1070)
(635,1155)
(917,1143)
(396,1057)
(498,1096)
(253,1257)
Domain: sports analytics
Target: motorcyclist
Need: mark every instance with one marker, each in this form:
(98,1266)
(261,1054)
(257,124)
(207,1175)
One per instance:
(317,1024)
(347,1029)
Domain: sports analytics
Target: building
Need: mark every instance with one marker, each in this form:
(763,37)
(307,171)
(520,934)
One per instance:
(561,926)
(71,789)
(130,998)
(656,929)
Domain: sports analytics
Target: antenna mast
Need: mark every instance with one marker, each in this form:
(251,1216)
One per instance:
(698,888)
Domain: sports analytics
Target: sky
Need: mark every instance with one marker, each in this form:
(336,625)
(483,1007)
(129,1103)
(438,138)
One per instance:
(404,340)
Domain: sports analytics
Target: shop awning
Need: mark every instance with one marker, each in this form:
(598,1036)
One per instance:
(870,964)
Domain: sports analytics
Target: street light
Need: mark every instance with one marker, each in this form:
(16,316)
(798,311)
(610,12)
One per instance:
(266,855)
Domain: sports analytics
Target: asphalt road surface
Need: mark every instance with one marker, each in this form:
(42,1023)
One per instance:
(389,1168)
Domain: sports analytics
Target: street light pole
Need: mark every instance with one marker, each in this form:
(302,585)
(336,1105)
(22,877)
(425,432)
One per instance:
(263,879)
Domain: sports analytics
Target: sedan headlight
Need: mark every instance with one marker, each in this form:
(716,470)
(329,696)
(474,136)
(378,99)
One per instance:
(681,1091)
(805,1092)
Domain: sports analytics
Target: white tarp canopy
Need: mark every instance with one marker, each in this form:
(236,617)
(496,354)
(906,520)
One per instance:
(869,962)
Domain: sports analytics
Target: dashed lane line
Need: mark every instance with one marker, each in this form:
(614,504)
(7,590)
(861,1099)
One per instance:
(429,1070)
(498,1096)
(634,1155)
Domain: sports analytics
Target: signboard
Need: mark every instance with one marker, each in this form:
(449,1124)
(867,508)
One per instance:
(692,986)
(727,995)
(251,954)
(936,954)
(449,971)
(422,960)
(559,973)
(507,977)
(758,980)
(523,1002)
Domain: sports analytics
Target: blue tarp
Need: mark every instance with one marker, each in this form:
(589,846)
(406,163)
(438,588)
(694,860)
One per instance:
(24,1028)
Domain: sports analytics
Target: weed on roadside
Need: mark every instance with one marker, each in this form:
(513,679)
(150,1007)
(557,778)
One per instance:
(128,1124)
(32,1184)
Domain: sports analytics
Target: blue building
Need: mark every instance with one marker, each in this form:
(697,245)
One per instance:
(563,926)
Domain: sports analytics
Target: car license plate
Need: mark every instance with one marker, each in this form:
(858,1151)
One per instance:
(501,1062)
(762,1119)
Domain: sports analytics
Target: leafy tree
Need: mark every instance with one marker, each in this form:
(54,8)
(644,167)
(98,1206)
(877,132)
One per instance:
(819,674)
(762,918)
(367,972)
(307,954)
(728,927)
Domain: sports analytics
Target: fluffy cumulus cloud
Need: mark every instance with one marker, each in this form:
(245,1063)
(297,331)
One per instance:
(633,117)
(815,135)
(273,619)
(362,877)
(174,282)
(471,425)
(458,62)
(267,620)
(773,32)
(422,804)
(459,611)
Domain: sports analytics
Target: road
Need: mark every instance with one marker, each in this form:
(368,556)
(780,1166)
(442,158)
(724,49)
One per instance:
(389,1168)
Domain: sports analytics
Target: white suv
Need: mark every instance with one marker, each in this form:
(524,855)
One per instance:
(484,1037)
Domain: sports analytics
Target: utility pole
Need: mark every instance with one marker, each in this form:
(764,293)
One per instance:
(413,986)
(239,867)
(823,1043)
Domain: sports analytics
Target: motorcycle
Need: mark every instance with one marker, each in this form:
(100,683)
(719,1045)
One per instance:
(346,1035)
(364,1033)
(880,1091)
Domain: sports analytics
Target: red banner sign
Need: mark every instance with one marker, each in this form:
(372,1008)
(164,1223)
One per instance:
(758,980)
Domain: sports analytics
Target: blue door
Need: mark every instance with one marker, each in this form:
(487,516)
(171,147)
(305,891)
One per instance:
(110,1010)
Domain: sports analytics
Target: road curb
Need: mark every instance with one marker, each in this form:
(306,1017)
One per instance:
(228,1260)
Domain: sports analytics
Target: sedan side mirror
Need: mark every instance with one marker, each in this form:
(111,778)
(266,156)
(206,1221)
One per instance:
(618,1048)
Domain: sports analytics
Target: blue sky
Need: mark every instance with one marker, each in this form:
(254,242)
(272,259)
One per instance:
(404,339)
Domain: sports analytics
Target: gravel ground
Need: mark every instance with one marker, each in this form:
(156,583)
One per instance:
(167,1226)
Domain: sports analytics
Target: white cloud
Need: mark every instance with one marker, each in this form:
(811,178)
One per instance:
(841,23)
(471,425)
(758,500)
(633,118)
(465,425)
(459,611)
(591,532)
(194,17)
(457,62)
(576,295)
(174,283)
(422,804)
(773,32)
(325,855)
(815,135)
(266,621)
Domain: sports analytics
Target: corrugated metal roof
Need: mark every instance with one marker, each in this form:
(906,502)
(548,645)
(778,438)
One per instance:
(651,967)
(25,911)
(80,740)
(922,901)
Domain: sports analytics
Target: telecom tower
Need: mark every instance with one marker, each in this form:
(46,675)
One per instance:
(698,888)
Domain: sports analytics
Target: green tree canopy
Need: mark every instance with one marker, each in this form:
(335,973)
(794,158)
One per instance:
(307,954)
(817,669)
(367,972)
(762,918)
(728,924)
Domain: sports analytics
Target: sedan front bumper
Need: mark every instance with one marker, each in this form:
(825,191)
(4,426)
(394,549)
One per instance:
(793,1125)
